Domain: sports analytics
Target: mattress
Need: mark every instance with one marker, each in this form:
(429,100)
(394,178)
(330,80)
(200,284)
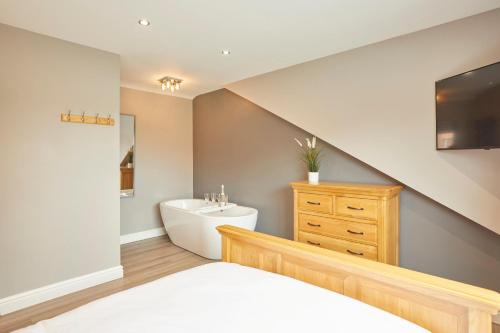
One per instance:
(223,297)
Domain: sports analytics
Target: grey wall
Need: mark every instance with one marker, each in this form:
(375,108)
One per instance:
(251,151)
(163,159)
(59,193)
(377,101)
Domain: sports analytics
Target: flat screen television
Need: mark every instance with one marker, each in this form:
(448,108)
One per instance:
(468,110)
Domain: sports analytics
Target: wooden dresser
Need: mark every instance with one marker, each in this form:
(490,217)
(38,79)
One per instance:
(358,219)
(127,178)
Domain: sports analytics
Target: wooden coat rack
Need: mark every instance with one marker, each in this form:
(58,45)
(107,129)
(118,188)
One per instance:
(84,119)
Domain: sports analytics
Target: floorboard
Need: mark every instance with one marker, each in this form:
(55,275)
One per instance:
(142,262)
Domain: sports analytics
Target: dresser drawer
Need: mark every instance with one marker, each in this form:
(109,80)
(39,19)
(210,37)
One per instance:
(321,203)
(334,227)
(340,245)
(356,207)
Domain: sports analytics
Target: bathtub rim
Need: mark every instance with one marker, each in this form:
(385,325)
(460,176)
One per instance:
(254,211)
(200,212)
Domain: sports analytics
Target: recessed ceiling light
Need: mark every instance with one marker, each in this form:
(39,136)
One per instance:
(144,22)
(226,52)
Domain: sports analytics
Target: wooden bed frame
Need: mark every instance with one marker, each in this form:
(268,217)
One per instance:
(437,304)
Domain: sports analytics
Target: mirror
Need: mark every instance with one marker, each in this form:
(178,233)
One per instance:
(127,155)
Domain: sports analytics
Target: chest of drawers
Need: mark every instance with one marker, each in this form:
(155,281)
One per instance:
(357,219)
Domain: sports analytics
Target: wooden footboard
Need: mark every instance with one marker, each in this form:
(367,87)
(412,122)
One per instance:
(437,304)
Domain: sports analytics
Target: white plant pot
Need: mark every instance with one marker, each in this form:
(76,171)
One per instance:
(314,178)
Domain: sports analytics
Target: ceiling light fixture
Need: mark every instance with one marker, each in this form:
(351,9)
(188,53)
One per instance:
(144,22)
(226,52)
(170,83)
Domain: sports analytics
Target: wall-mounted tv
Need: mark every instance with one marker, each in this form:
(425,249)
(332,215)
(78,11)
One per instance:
(468,110)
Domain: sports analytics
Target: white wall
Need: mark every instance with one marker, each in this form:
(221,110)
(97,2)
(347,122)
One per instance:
(59,192)
(377,104)
(163,161)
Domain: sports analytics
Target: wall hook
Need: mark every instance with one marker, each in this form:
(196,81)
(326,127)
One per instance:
(84,119)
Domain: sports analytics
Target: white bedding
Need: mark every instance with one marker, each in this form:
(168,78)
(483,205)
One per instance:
(222,297)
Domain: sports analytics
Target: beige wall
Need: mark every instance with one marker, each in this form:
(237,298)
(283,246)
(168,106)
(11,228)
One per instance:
(377,104)
(163,156)
(59,196)
(259,159)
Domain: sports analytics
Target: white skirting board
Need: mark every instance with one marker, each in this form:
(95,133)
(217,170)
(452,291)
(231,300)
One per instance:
(137,236)
(42,294)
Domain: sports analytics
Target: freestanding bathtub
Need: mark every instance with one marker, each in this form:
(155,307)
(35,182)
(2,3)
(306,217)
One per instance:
(191,223)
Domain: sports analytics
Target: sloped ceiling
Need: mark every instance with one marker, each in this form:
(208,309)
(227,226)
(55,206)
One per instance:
(377,104)
(186,37)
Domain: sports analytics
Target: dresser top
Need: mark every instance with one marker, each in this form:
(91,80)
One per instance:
(373,189)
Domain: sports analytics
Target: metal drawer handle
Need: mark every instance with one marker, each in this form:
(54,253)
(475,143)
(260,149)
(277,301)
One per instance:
(355,253)
(313,243)
(314,203)
(355,208)
(355,232)
(313,225)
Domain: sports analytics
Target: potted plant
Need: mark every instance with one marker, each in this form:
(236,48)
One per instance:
(311,156)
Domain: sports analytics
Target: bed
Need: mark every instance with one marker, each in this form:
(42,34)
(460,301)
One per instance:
(437,304)
(268,284)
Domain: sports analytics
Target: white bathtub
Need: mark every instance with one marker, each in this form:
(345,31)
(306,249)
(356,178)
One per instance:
(191,223)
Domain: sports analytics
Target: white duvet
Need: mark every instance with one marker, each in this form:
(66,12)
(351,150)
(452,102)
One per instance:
(222,297)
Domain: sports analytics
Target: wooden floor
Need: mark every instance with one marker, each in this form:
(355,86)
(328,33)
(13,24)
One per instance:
(142,262)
